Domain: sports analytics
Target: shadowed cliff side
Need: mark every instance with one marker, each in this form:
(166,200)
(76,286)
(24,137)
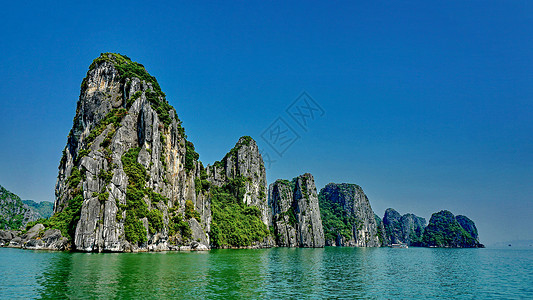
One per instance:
(348,217)
(295,213)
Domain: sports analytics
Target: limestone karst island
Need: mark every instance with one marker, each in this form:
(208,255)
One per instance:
(130,180)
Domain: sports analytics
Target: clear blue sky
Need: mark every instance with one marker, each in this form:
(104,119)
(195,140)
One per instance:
(426,106)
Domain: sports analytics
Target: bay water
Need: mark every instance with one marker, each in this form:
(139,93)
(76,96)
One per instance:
(277,273)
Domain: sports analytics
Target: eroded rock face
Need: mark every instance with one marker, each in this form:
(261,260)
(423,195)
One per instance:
(295,213)
(348,204)
(407,229)
(50,240)
(445,230)
(244,161)
(283,213)
(36,238)
(127,169)
(468,225)
(238,194)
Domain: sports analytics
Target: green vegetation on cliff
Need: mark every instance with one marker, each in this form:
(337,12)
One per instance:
(44,208)
(136,207)
(11,210)
(191,156)
(233,153)
(67,218)
(335,220)
(234,223)
(130,69)
(443,230)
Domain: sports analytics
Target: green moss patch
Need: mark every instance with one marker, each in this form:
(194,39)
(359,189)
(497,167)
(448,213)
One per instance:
(234,223)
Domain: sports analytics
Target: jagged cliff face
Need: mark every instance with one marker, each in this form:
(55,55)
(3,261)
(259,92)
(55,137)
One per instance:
(468,225)
(296,216)
(244,161)
(128,170)
(445,230)
(237,194)
(348,216)
(407,229)
(413,228)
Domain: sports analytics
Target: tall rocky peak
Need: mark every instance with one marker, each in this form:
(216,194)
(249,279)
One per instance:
(244,161)
(296,219)
(127,171)
(446,230)
(407,229)
(237,194)
(348,217)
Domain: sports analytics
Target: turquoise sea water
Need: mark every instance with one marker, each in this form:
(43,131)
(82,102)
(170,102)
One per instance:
(270,273)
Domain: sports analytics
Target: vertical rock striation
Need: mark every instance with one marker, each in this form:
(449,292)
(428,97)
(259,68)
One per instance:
(446,230)
(348,217)
(128,169)
(238,196)
(296,219)
(467,225)
(244,161)
(407,229)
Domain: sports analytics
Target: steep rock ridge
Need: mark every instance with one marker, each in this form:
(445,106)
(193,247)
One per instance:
(467,225)
(392,225)
(444,230)
(244,161)
(283,213)
(348,217)
(13,212)
(127,171)
(407,229)
(296,219)
(382,236)
(237,193)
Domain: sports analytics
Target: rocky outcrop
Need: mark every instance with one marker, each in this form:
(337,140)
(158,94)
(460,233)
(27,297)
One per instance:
(129,180)
(296,219)
(382,236)
(348,217)
(244,161)
(6,236)
(35,238)
(444,230)
(127,170)
(237,193)
(14,214)
(467,225)
(407,229)
(50,239)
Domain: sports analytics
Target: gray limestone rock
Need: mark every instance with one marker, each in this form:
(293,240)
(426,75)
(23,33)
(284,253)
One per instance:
(407,229)
(468,225)
(348,204)
(6,236)
(35,231)
(295,213)
(244,160)
(127,164)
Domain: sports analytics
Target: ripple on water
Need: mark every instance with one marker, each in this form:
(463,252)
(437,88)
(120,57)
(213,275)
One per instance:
(348,273)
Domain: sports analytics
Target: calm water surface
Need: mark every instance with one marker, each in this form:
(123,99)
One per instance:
(270,273)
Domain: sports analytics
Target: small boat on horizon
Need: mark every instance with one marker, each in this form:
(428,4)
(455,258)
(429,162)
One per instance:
(404,246)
